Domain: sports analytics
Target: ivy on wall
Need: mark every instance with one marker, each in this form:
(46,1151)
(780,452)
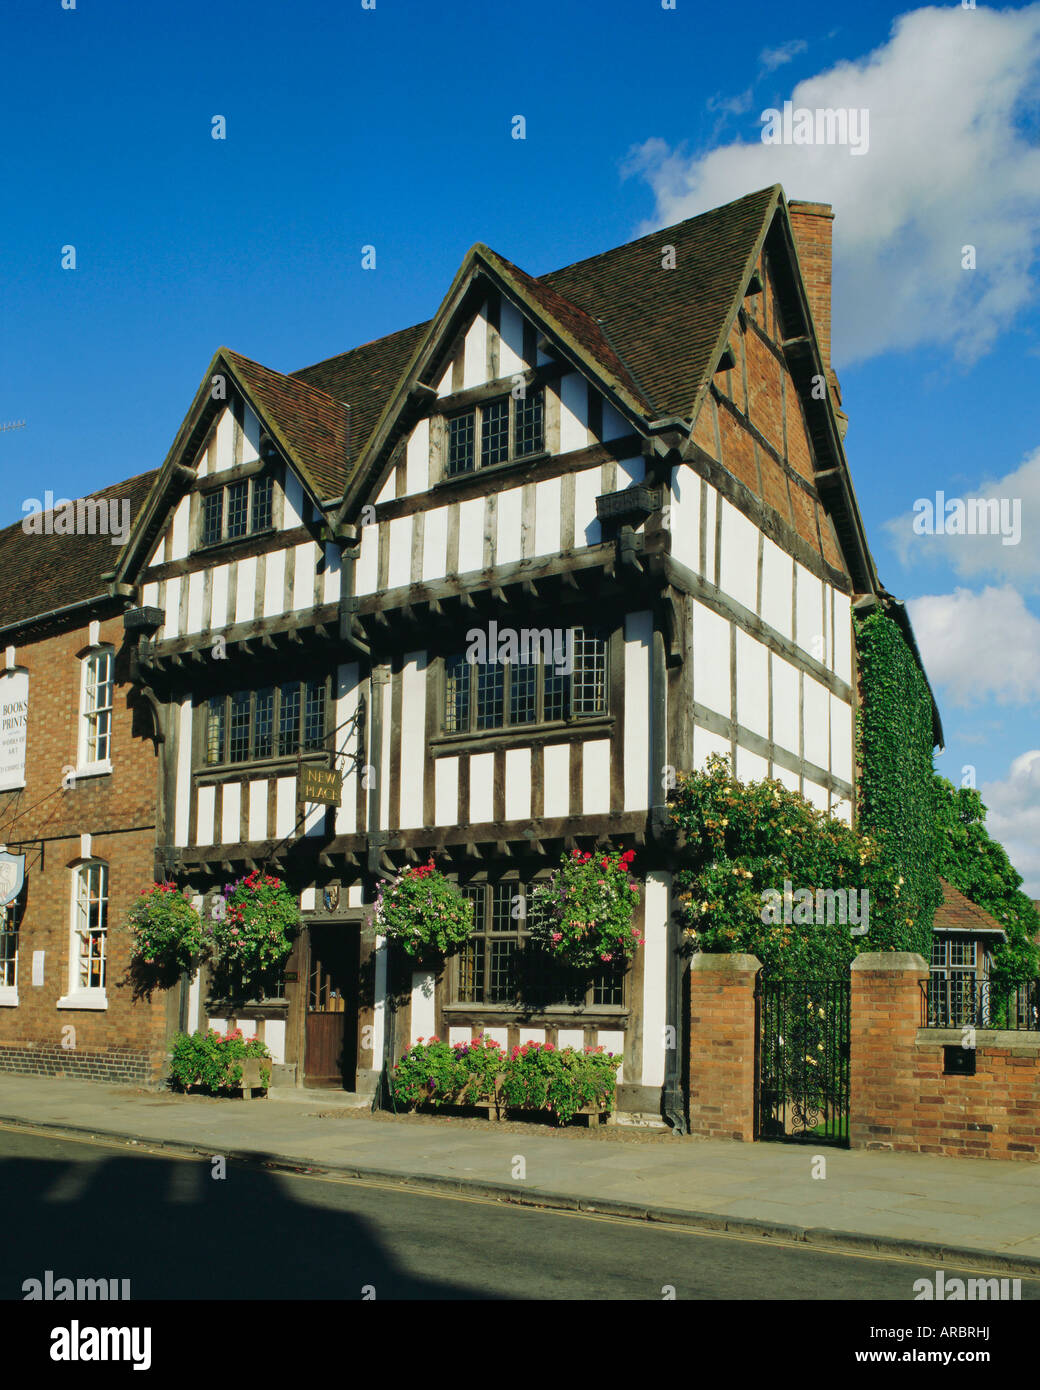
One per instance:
(896,782)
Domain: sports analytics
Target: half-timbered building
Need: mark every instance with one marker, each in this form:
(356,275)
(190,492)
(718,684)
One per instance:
(638,457)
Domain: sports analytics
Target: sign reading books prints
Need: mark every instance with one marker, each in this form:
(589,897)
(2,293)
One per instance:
(14,721)
(319,785)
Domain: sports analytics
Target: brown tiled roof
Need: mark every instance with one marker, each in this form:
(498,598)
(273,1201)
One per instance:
(312,422)
(654,330)
(665,324)
(365,378)
(958,913)
(40,573)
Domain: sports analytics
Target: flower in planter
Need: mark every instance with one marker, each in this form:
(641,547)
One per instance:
(423,910)
(583,915)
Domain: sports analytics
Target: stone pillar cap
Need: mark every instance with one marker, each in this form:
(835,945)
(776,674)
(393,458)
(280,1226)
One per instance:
(725,963)
(893,962)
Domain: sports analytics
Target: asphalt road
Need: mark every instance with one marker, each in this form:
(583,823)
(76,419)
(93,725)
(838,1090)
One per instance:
(86,1210)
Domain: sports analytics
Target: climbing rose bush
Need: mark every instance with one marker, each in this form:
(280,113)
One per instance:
(423,910)
(167,932)
(582,916)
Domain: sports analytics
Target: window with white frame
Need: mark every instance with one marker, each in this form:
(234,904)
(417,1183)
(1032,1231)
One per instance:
(90,927)
(10,920)
(96,708)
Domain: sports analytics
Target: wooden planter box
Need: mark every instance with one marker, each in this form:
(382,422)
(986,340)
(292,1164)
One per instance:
(496,1108)
(251,1078)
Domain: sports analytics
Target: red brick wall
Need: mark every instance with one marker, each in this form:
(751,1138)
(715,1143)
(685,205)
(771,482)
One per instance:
(722,1046)
(126,1041)
(900,1098)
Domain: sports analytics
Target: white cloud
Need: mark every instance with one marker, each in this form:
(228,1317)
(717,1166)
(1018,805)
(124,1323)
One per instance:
(948,165)
(979,646)
(1014,817)
(974,556)
(731,106)
(772,58)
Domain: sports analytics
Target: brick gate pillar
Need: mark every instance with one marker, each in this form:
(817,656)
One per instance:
(723,1037)
(885,1014)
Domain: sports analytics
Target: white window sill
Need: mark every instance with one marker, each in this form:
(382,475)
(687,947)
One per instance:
(8,996)
(89,999)
(13,786)
(93,770)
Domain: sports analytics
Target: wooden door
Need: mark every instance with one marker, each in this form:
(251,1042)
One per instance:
(330,1051)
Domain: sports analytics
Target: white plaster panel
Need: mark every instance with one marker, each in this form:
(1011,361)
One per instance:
(499,1035)
(785,704)
(518,783)
(843,636)
(274,582)
(614,425)
(417,459)
(231,814)
(571,1037)
(815,720)
(274,1038)
(547,505)
(399,571)
(685,521)
(738,574)
(366,570)
(705,743)
(511,334)
(813,792)
(510,515)
(347,679)
(196,586)
(413,739)
(179,529)
(460,1035)
(171,626)
(245,590)
(655,969)
(424,1014)
(225,436)
(556,779)
(250,436)
(389,489)
(809,612)
(285,806)
(435,544)
(711,500)
(588,484)
(631,471)
(330,578)
(595,776)
(204,815)
(150,595)
(612,1040)
(308,899)
(182,807)
(481,788)
(751,767)
(305,563)
(711,678)
(471,535)
(790,779)
(776,588)
(535,1035)
(638,630)
(474,362)
(752,684)
(446,791)
(841,739)
(382,792)
(258,810)
(574,412)
(219,596)
(293,510)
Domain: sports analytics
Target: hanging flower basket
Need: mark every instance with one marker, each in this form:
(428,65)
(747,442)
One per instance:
(424,911)
(254,931)
(583,915)
(167,933)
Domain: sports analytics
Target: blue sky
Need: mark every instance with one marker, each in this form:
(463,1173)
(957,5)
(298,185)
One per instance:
(391,127)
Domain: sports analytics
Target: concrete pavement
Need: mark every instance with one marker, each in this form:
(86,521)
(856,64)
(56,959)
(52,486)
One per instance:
(917,1205)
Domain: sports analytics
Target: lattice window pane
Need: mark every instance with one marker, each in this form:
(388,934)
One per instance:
(471,972)
(938,952)
(238,508)
(263,492)
(461,434)
(589,692)
(314,716)
(608,987)
(457,671)
(557,694)
(502,972)
(523,685)
(212,516)
(238,740)
(263,723)
(528,429)
(494,432)
(289,719)
(215,708)
(490,695)
(504,906)
(962,954)
(92,924)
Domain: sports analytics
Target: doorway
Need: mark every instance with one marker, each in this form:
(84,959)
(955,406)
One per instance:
(330,1040)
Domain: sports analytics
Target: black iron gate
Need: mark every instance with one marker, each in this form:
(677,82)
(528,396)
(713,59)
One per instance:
(804,1060)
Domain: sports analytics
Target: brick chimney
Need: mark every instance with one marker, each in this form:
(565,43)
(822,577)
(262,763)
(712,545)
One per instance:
(812,225)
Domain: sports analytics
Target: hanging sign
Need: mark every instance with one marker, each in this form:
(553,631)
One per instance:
(12,876)
(319,785)
(14,723)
